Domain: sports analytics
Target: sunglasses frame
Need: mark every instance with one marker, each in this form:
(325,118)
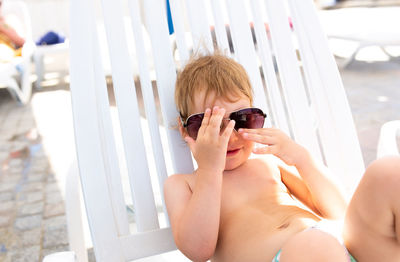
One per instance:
(185,123)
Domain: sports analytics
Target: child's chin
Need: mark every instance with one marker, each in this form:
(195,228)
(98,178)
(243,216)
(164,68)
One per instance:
(229,168)
(236,161)
(232,166)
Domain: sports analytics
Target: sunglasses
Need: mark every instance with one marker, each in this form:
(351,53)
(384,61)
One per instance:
(250,118)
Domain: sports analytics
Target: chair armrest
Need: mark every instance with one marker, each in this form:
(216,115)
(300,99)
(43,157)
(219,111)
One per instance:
(387,143)
(67,256)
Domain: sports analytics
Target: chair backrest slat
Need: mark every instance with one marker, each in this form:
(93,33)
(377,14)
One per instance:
(87,135)
(166,76)
(199,25)
(244,49)
(341,149)
(125,95)
(320,105)
(148,96)
(300,115)
(178,22)
(264,48)
(220,27)
(107,142)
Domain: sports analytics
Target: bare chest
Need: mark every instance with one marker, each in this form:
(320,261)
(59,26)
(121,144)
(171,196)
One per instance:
(250,187)
(257,212)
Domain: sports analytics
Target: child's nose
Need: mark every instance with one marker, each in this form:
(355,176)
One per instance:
(224,123)
(234,135)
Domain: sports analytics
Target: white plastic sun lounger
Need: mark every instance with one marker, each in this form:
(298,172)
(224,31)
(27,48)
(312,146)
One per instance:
(364,26)
(16,74)
(124,155)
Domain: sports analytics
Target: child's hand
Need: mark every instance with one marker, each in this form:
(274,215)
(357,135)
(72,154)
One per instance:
(278,144)
(209,149)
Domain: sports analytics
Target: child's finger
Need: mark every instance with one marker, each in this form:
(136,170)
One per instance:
(228,130)
(216,120)
(206,120)
(262,139)
(263,131)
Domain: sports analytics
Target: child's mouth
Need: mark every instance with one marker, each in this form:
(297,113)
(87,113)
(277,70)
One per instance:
(232,152)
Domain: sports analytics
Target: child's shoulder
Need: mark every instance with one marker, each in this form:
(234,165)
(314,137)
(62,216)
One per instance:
(179,180)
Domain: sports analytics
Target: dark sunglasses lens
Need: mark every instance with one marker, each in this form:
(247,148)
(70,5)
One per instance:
(248,118)
(193,125)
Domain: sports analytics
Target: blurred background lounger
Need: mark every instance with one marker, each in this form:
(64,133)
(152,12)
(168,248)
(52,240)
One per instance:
(15,71)
(365,26)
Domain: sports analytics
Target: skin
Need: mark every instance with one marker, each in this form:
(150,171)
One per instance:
(233,208)
(372,222)
(8,31)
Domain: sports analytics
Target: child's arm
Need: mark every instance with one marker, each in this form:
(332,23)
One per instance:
(315,186)
(195,215)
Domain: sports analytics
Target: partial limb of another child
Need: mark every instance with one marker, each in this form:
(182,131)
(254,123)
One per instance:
(372,223)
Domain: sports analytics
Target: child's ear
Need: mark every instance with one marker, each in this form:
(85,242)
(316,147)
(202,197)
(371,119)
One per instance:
(182,130)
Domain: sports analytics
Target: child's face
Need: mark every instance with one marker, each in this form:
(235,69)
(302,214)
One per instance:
(239,149)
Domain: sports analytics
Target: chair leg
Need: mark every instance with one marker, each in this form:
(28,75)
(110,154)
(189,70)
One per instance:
(388,54)
(13,89)
(350,59)
(39,68)
(21,93)
(26,85)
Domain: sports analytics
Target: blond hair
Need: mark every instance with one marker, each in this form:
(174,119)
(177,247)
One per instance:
(216,74)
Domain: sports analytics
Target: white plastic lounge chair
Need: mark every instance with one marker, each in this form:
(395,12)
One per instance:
(15,75)
(304,98)
(364,26)
(388,137)
(39,56)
